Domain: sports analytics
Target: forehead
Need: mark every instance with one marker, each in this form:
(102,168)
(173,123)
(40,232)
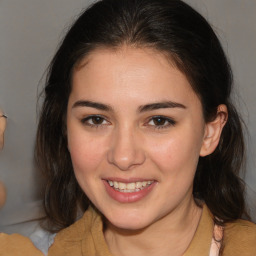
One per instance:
(136,72)
(126,55)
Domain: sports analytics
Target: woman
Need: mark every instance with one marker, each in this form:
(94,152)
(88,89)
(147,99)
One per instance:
(138,132)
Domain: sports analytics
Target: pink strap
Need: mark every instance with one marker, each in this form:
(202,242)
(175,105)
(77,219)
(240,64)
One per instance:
(216,240)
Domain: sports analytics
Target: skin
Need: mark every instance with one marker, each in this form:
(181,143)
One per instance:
(127,142)
(2,194)
(2,129)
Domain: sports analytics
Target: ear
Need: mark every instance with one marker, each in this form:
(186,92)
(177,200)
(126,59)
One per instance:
(213,131)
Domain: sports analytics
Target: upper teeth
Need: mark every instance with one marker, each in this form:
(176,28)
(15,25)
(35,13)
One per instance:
(129,186)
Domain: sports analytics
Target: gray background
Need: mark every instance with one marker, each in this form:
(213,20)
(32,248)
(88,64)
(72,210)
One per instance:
(29,34)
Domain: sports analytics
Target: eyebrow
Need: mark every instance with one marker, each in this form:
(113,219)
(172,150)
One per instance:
(91,104)
(159,105)
(143,108)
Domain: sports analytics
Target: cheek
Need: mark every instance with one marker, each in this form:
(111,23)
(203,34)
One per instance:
(86,153)
(176,160)
(177,155)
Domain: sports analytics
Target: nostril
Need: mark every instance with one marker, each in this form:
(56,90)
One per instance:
(125,160)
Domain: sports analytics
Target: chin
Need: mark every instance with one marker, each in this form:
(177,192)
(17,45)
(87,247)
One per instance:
(129,225)
(129,221)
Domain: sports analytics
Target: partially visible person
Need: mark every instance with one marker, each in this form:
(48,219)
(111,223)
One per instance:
(2,130)
(12,245)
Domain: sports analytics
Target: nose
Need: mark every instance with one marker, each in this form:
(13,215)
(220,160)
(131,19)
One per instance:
(126,150)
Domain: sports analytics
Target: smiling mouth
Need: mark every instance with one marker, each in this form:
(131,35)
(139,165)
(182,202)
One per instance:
(129,187)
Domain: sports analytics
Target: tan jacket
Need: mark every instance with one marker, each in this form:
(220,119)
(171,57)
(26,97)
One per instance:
(85,238)
(17,245)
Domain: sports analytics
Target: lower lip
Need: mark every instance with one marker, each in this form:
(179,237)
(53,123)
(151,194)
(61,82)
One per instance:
(128,197)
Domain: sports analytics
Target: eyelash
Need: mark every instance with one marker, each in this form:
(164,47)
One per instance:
(86,120)
(169,121)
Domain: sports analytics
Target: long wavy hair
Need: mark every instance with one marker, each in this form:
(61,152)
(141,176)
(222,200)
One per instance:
(183,35)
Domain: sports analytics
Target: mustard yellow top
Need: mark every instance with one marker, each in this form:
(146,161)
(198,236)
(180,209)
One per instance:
(17,245)
(85,238)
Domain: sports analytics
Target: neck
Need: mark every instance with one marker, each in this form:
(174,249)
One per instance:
(171,235)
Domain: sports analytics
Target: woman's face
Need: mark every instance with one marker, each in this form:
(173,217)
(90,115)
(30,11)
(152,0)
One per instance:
(135,130)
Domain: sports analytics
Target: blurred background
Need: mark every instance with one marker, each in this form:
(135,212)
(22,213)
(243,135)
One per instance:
(30,31)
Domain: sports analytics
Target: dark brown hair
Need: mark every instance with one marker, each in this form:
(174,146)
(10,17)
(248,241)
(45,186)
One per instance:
(171,27)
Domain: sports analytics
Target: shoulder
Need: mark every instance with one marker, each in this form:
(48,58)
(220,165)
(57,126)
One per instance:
(73,232)
(240,238)
(82,227)
(17,245)
(241,229)
(68,241)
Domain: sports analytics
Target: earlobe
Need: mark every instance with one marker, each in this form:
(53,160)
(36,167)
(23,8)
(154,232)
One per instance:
(213,131)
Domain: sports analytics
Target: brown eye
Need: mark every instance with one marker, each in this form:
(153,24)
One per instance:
(159,121)
(94,121)
(97,120)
